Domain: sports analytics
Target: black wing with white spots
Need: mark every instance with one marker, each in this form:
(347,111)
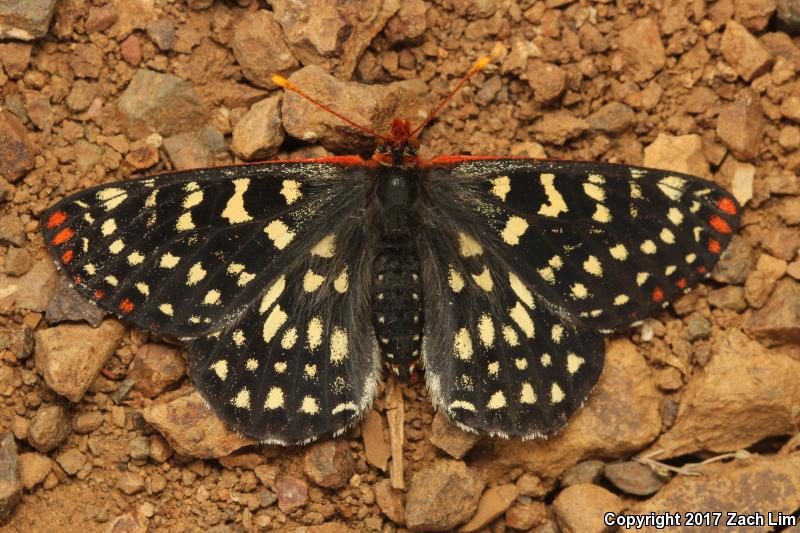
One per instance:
(526,261)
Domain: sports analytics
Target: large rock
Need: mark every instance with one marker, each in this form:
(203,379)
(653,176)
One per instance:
(10,487)
(70,356)
(681,153)
(259,133)
(642,49)
(779,319)
(743,51)
(260,48)
(441,496)
(580,508)
(740,124)
(16,149)
(25,19)
(192,429)
(748,392)
(620,417)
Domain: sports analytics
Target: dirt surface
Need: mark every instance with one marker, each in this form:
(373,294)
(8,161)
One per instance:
(697,409)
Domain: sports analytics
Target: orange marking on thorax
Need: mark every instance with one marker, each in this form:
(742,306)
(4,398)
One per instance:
(126,306)
(66,257)
(658,295)
(727,205)
(56,219)
(719,224)
(98,294)
(702,269)
(714,246)
(77,279)
(63,236)
(681,283)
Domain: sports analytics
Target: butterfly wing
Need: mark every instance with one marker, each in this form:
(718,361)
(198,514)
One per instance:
(526,260)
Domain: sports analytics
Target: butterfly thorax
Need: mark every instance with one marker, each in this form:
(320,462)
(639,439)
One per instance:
(396,292)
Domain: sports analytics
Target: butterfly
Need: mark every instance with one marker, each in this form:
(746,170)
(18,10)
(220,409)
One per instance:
(296,285)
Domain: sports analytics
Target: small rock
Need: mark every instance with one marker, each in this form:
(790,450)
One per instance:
(162,32)
(118,416)
(642,49)
(740,124)
(525,516)
(32,291)
(779,319)
(26,20)
(86,60)
(614,117)
(186,151)
(789,211)
(390,501)
(49,428)
(69,305)
(762,280)
(728,297)
(10,487)
(128,523)
(742,183)
(782,243)
(557,127)
(191,429)
(163,103)
(71,461)
(683,153)
(131,50)
(155,368)
(633,478)
(408,25)
(788,16)
(292,493)
(583,472)
(266,498)
(242,459)
(87,422)
(16,149)
(142,155)
(160,450)
(531,486)
(494,502)
(11,231)
(547,80)
(33,469)
(18,262)
(528,149)
(101,18)
(794,269)
(70,356)
(580,508)
(754,14)
(18,340)
(39,110)
(790,108)
(329,464)
(259,133)
(130,482)
(376,446)
(260,48)
(139,448)
(15,58)
(441,496)
(735,262)
(697,327)
(450,438)
(741,50)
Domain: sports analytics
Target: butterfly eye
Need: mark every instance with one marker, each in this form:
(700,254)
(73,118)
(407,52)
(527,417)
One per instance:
(383,149)
(410,150)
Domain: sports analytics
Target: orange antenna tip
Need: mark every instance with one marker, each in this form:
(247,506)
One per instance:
(480,64)
(280,81)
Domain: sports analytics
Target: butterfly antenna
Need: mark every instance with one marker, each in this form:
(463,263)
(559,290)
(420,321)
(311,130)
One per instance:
(280,81)
(477,67)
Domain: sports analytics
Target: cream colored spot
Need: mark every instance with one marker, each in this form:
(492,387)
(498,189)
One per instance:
(166,309)
(346,406)
(619,252)
(670,270)
(108,227)
(193,199)
(312,281)
(494,368)
(220,368)
(462,344)
(594,192)
(242,400)
(235,268)
(251,365)
(546,360)
(289,338)
(547,274)
(310,371)
(523,319)
(497,401)
(555,202)
(89,269)
(238,337)
(245,278)
(272,294)
(486,330)
(691,258)
(341,282)
(510,336)
(674,215)
(597,178)
(291,191)
(116,246)
(455,280)
(574,362)
(556,262)
(672,186)
(280,367)
(279,234)
(143,288)
(234,210)
(641,277)
(135,258)
(273,323)
(168,260)
(326,247)
(339,345)
(515,228)
(462,404)
(468,246)
(648,247)
(521,363)
(484,280)
(196,274)
(636,192)
(557,333)
(309,406)
(527,395)
(579,291)
(501,186)
(212,297)
(556,394)
(314,333)
(151,199)
(185,222)
(621,299)
(111,280)
(520,290)
(695,207)
(88,218)
(592,266)
(111,197)
(697,231)
(274,398)
(191,186)
(601,214)
(84,244)
(667,236)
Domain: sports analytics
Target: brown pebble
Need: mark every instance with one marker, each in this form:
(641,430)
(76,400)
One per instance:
(743,51)
(492,504)
(130,482)
(71,461)
(49,428)
(633,477)
(580,508)
(390,501)
(442,495)
(131,50)
(329,464)
(450,438)
(292,493)
(155,368)
(524,516)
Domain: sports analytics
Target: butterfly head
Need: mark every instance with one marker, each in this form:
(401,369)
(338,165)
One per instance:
(400,147)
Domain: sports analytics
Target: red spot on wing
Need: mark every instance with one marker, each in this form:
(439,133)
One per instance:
(66,257)
(56,219)
(77,279)
(681,283)
(63,236)
(719,224)
(727,205)
(714,246)
(98,294)
(658,295)
(126,306)
(702,269)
